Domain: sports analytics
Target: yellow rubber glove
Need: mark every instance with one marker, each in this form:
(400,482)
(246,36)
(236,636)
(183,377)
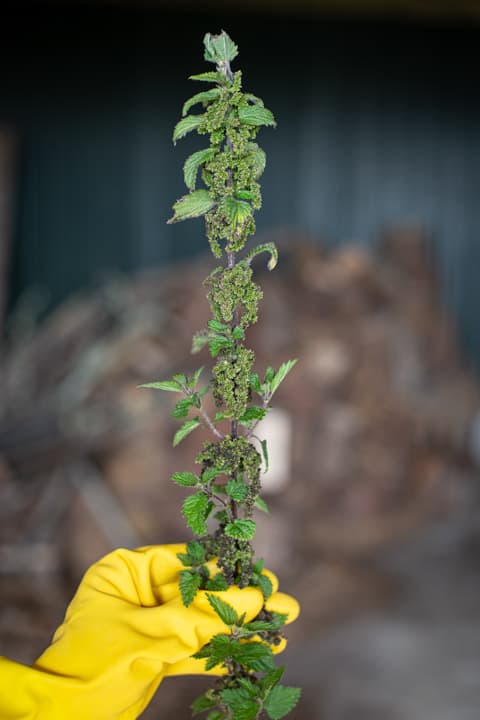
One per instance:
(125,629)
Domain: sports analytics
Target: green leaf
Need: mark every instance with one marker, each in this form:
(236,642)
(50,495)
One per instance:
(186,125)
(196,551)
(199,340)
(280,701)
(217,344)
(257,656)
(281,374)
(193,205)
(258,566)
(196,376)
(218,582)
(210,76)
(255,382)
(218,327)
(192,165)
(219,48)
(240,705)
(185,430)
(241,529)
(269,374)
(194,510)
(189,582)
(202,97)
(204,702)
(265,585)
(245,195)
(222,516)
(219,416)
(252,413)
(258,159)
(209,474)
(257,626)
(265,247)
(185,479)
(254,99)
(168,385)
(261,505)
(182,408)
(215,715)
(238,333)
(216,651)
(263,443)
(225,612)
(236,490)
(237,210)
(255,115)
(272,678)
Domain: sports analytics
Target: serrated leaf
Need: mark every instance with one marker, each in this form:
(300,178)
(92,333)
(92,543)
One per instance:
(189,583)
(263,443)
(238,333)
(245,195)
(237,210)
(199,341)
(265,585)
(218,582)
(253,413)
(201,97)
(225,612)
(203,702)
(185,479)
(257,656)
(209,474)
(255,382)
(240,704)
(219,48)
(186,125)
(255,115)
(261,505)
(182,408)
(168,385)
(185,430)
(196,552)
(269,374)
(280,701)
(258,159)
(236,490)
(241,529)
(222,516)
(257,626)
(192,165)
(195,378)
(272,678)
(193,205)
(217,344)
(217,326)
(265,247)
(194,510)
(281,374)
(210,76)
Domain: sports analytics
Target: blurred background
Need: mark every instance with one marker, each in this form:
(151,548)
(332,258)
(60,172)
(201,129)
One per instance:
(371,193)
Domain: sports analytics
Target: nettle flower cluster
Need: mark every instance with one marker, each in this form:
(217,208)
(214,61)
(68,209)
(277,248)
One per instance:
(227,487)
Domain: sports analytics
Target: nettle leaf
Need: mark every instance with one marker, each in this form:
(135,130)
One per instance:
(258,566)
(189,582)
(195,378)
(257,626)
(263,443)
(272,678)
(185,430)
(255,382)
(209,474)
(258,159)
(196,552)
(217,344)
(216,715)
(210,76)
(218,582)
(185,479)
(201,97)
(219,48)
(192,165)
(199,340)
(219,416)
(238,333)
(280,701)
(237,210)
(217,326)
(204,702)
(252,413)
(255,115)
(254,99)
(240,704)
(265,247)
(241,529)
(261,505)
(257,656)
(216,651)
(182,408)
(193,205)
(194,510)
(236,490)
(168,385)
(186,125)
(225,612)
(265,585)
(245,195)
(281,374)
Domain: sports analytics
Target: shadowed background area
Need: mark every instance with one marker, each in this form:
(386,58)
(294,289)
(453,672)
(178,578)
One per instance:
(370,192)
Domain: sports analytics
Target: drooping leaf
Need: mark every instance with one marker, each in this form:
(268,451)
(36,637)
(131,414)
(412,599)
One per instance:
(261,505)
(210,76)
(194,510)
(218,582)
(237,210)
(192,165)
(185,479)
(259,160)
(241,529)
(182,407)
(186,125)
(219,48)
(201,97)
(168,385)
(204,702)
(236,490)
(255,115)
(199,340)
(185,430)
(263,443)
(225,612)
(189,582)
(272,678)
(280,701)
(265,585)
(281,374)
(265,247)
(193,205)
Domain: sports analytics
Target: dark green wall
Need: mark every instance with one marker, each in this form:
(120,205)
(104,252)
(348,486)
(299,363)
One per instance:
(378,124)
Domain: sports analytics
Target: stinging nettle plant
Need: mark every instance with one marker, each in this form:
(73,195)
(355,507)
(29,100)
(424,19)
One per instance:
(227,488)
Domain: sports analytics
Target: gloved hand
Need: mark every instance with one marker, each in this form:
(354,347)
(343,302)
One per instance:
(125,629)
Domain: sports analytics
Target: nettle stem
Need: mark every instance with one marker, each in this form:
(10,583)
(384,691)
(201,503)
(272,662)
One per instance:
(227,489)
